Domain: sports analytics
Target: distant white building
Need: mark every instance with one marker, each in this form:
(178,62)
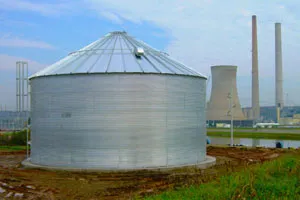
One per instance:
(266,125)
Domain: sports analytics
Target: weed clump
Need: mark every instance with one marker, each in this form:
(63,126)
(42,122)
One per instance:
(14,138)
(272,180)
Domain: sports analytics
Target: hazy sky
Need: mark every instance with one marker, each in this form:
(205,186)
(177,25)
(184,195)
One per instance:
(199,33)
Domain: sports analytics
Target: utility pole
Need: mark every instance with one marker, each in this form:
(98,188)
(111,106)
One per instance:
(22,95)
(230,113)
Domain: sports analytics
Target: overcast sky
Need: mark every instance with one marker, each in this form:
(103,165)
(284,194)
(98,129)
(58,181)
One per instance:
(199,33)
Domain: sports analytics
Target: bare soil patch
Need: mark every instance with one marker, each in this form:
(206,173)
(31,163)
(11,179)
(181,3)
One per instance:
(42,184)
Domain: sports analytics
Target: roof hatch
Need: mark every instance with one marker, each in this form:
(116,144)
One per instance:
(139,51)
(117,52)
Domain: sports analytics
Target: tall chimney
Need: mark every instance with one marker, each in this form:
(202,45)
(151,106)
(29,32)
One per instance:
(255,81)
(278,75)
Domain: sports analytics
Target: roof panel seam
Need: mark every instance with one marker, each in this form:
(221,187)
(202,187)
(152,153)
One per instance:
(112,53)
(100,55)
(174,65)
(150,53)
(59,67)
(122,55)
(127,40)
(88,56)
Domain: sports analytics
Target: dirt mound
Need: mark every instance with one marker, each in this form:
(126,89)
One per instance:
(5,152)
(40,184)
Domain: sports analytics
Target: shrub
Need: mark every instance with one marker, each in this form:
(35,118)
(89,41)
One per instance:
(15,138)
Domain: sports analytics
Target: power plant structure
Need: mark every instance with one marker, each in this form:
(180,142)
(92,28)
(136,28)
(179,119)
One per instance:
(17,119)
(255,76)
(22,95)
(223,87)
(118,104)
(278,71)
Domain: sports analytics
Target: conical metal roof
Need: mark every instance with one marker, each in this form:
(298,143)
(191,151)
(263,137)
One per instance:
(117,52)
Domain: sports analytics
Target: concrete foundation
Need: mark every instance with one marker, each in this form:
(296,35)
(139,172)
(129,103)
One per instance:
(208,162)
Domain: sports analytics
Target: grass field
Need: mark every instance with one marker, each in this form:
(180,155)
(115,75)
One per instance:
(12,148)
(53,184)
(278,128)
(258,135)
(14,138)
(278,179)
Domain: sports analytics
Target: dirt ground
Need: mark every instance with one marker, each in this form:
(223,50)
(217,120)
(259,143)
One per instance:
(19,183)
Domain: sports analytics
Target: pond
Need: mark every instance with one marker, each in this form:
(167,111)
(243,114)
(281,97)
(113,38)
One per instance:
(254,142)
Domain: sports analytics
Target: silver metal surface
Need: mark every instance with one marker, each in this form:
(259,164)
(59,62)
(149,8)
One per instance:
(278,63)
(115,52)
(255,76)
(118,121)
(22,93)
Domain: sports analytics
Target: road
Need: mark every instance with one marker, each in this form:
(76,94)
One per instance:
(261,130)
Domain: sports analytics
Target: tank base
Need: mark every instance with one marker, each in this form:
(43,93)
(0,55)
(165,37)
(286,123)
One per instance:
(208,162)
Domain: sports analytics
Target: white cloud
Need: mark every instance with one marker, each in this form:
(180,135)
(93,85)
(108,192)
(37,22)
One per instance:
(9,41)
(204,32)
(111,16)
(46,9)
(6,21)
(8,78)
(245,13)
(8,64)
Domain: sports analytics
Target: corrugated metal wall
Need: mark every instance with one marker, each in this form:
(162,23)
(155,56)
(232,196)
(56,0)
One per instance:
(122,121)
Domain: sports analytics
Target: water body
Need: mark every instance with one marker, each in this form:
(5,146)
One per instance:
(254,142)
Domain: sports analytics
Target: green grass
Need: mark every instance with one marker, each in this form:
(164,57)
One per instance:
(12,148)
(278,179)
(15,138)
(258,135)
(249,128)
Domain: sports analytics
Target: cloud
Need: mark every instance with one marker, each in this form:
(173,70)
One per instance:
(46,9)
(111,16)
(245,13)
(9,41)
(211,32)
(202,32)
(5,21)
(8,64)
(8,78)
(206,33)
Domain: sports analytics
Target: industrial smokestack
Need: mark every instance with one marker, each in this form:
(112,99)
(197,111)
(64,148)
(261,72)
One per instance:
(223,84)
(255,81)
(278,64)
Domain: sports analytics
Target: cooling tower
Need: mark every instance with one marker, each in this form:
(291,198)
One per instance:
(278,63)
(223,82)
(255,80)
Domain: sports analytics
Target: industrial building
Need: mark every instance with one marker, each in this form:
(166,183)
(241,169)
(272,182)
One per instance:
(255,112)
(288,114)
(283,115)
(11,120)
(117,104)
(223,91)
(278,71)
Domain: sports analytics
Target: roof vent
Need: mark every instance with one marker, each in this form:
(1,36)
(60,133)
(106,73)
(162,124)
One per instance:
(139,51)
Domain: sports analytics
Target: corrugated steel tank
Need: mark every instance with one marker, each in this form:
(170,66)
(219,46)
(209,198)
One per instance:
(118,120)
